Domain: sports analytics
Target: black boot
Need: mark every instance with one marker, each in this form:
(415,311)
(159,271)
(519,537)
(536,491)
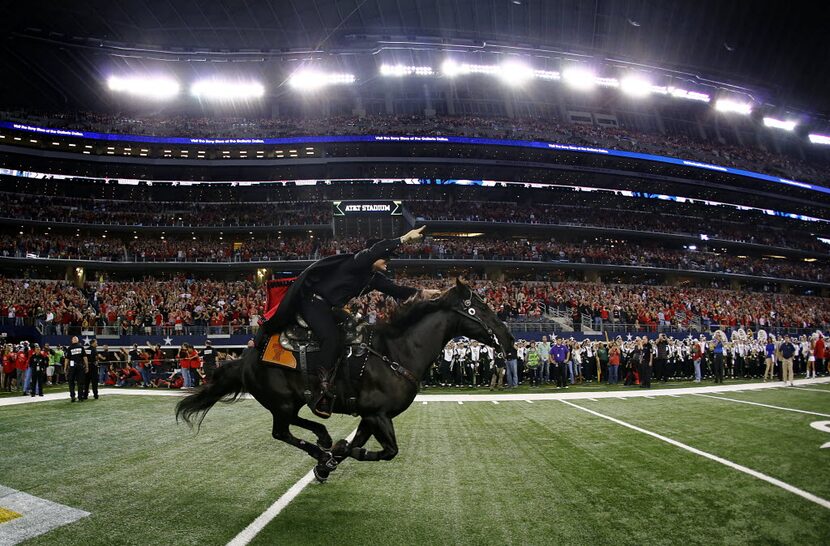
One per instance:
(323,406)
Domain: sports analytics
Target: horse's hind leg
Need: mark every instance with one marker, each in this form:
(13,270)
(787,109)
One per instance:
(281,432)
(319,430)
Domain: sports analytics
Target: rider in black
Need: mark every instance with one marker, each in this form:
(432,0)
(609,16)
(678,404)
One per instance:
(332,283)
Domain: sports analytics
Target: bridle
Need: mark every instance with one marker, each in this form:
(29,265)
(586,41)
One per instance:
(468,311)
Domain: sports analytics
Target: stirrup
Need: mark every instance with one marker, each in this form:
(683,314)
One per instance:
(316,410)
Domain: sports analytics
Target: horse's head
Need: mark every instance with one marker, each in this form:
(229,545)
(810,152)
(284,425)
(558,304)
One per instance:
(478,320)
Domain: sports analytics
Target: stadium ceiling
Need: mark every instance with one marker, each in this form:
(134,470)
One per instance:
(52,53)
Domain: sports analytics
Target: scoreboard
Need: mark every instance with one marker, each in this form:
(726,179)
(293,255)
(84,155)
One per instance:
(375,208)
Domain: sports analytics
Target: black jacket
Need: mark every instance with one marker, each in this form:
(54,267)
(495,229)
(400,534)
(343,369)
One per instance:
(338,279)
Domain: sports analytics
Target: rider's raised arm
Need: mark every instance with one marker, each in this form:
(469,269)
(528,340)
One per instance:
(383,284)
(365,258)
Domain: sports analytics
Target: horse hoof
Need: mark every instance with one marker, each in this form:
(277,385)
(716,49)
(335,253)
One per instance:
(321,473)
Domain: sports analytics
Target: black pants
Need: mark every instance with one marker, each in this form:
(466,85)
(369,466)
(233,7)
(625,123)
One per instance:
(562,375)
(91,379)
(717,364)
(75,375)
(319,318)
(38,380)
(445,369)
(661,369)
(645,375)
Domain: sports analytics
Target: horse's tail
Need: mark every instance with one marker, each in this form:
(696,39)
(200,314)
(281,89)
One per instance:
(225,386)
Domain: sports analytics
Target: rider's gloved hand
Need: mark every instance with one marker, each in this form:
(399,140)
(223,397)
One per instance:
(413,235)
(430,293)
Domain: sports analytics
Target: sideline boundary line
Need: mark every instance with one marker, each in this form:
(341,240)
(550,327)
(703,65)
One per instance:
(825,391)
(746,470)
(247,534)
(527,397)
(763,405)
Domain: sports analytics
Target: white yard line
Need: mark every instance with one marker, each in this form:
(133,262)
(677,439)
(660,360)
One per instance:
(764,405)
(754,473)
(248,533)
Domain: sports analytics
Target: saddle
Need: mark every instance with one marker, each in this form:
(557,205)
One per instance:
(297,340)
(298,335)
(290,349)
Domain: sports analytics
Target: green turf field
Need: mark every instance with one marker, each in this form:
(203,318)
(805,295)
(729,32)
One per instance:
(477,473)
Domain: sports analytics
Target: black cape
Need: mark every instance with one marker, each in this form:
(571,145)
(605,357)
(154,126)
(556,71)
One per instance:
(287,310)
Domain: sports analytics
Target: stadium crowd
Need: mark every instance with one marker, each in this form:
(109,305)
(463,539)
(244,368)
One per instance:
(607,252)
(99,211)
(633,214)
(528,128)
(595,209)
(187,306)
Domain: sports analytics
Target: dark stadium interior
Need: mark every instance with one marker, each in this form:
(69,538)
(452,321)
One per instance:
(578,250)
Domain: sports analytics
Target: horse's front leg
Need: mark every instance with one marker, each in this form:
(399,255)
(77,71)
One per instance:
(318,429)
(382,428)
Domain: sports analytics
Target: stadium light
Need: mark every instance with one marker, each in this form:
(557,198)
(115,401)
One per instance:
(636,87)
(607,82)
(779,124)
(225,90)
(579,78)
(151,88)
(547,75)
(309,80)
(514,73)
(450,68)
(726,105)
(819,139)
(690,95)
(402,70)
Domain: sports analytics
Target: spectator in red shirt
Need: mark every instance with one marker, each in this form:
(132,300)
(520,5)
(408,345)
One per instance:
(9,373)
(22,365)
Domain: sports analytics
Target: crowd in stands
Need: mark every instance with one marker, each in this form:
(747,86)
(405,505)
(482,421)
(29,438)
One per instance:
(623,253)
(606,252)
(544,129)
(602,210)
(633,214)
(94,211)
(187,306)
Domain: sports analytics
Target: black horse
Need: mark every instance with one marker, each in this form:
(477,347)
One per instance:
(402,351)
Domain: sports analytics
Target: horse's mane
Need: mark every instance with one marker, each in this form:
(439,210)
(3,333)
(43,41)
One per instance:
(407,314)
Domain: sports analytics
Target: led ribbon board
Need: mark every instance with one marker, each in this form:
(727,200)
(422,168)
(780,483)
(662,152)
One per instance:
(413,139)
(378,208)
